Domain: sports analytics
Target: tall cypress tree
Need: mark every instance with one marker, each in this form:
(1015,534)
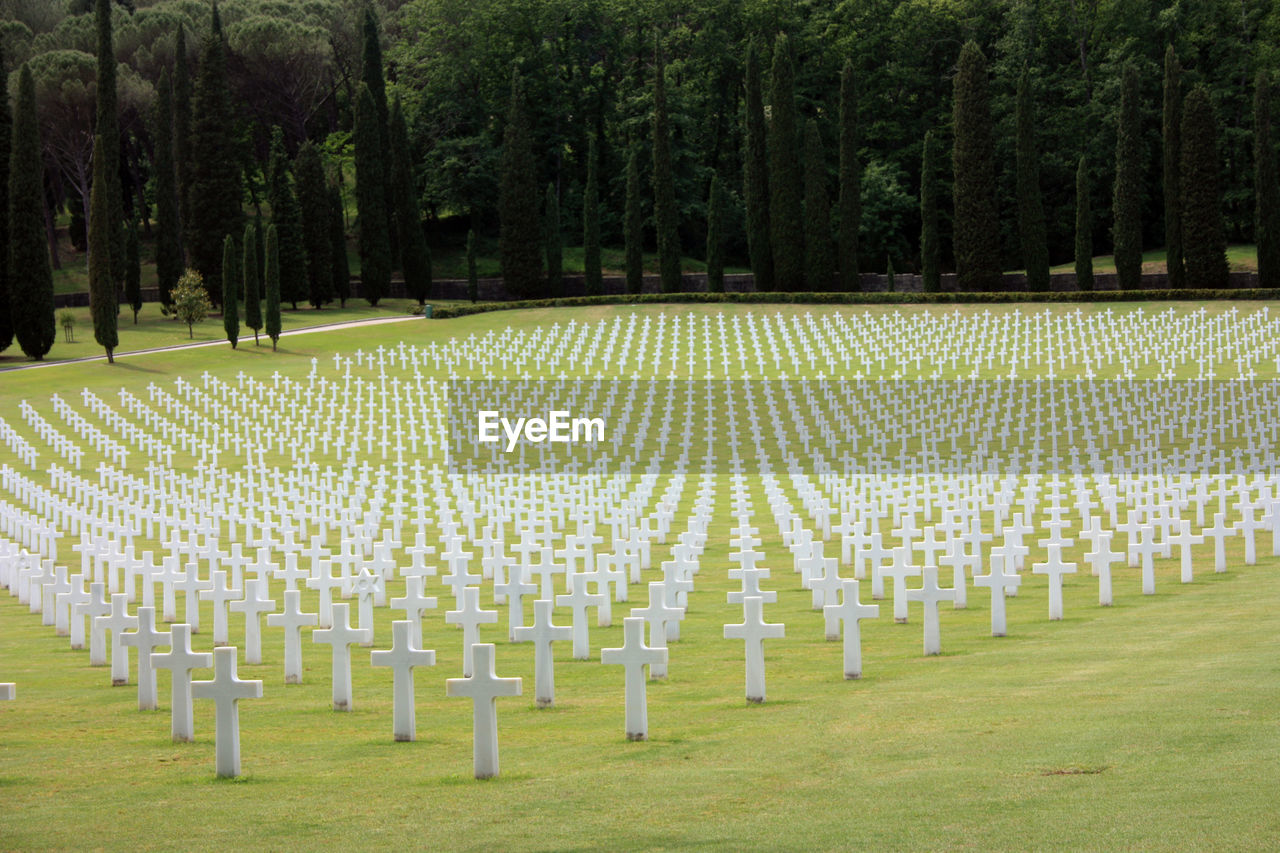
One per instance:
(786,184)
(1266,187)
(1084,229)
(132,270)
(755,174)
(1172,127)
(313,205)
(415,257)
(930,243)
(286,215)
(168,228)
(633,226)
(1031,228)
(819,257)
(182,132)
(231,285)
(338,248)
(591,268)
(473,280)
(665,213)
(107,125)
(271,284)
(553,242)
(975,235)
(715,237)
(252,286)
(1126,205)
(30,279)
(6,148)
(1204,243)
(372,76)
(103,303)
(520,234)
(371,208)
(850,203)
(260,241)
(214,188)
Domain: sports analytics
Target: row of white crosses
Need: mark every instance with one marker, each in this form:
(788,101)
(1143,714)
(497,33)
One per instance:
(274,514)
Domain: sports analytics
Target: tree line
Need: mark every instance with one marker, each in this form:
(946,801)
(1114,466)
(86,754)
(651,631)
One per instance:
(808,142)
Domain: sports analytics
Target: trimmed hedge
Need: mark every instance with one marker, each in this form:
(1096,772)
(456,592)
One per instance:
(444,312)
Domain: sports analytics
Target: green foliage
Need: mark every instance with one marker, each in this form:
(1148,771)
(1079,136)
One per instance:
(213,180)
(930,243)
(1084,229)
(786,187)
(286,215)
(132,270)
(553,242)
(371,75)
(30,279)
(67,320)
(231,285)
(850,201)
(313,207)
(633,226)
(1204,246)
(1267,184)
(715,237)
(6,148)
(103,302)
(191,300)
(886,209)
(1031,228)
(182,128)
(520,237)
(1172,162)
(665,215)
(168,228)
(755,171)
(819,256)
(271,284)
(473,281)
(592,271)
(252,284)
(1126,205)
(976,226)
(338,248)
(415,257)
(107,126)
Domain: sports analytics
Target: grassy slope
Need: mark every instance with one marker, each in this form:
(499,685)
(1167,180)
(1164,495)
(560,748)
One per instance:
(1149,724)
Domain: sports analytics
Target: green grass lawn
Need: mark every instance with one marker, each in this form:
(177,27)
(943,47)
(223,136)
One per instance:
(1147,725)
(1243,258)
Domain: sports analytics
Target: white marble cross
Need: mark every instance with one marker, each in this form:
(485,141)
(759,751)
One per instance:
(293,620)
(1100,560)
(657,613)
(633,656)
(753,630)
(578,600)
(1000,579)
(1184,539)
(181,660)
(483,688)
(402,657)
(226,690)
(1055,568)
(144,639)
(97,606)
(543,632)
(341,637)
(117,622)
(851,612)
(253,605)
(930,594)
(470,617)
(414,602)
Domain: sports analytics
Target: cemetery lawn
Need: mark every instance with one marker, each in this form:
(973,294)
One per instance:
(1152,724)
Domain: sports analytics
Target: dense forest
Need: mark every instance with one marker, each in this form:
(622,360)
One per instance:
(585,68)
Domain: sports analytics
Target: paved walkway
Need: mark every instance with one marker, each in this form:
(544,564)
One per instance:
(325,327)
